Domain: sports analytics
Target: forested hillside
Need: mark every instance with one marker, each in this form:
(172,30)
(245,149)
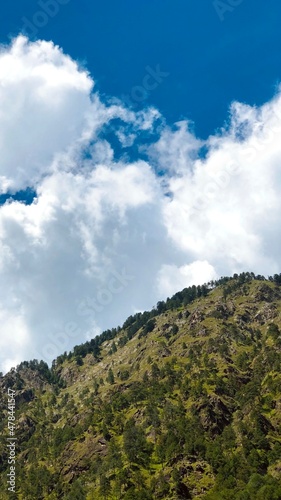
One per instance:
(180,402)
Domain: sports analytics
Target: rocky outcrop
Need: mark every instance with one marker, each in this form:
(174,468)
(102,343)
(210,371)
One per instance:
(267,313)
(214,414)
(195,318)
(265,293)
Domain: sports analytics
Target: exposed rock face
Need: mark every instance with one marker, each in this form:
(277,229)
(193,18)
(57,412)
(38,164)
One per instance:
(196,317)
(266,313)
(243,318)
(75,462)
(24,396)
(33,379)
(222,310)
(214,414)
(266,294)
(69,374)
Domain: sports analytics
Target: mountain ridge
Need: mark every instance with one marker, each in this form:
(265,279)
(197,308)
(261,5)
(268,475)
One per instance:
(181,402)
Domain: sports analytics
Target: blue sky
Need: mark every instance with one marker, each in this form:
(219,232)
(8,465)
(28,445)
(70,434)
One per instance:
(140,153)
(210,62)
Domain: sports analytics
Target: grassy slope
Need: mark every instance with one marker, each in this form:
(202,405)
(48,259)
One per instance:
(218,377)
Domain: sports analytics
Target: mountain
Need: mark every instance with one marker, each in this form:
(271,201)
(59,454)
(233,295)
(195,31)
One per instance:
(182,402)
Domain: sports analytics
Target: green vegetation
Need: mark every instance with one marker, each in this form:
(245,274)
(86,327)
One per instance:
(183,401)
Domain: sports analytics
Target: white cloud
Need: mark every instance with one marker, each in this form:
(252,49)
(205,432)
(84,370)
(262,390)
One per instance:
(221,210)
(108,236)
(172,279)
(175,150)
(44,99)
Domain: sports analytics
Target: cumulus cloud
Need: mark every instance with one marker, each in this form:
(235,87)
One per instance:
(44,99)
(226,209)
(172,279)
(108,234)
